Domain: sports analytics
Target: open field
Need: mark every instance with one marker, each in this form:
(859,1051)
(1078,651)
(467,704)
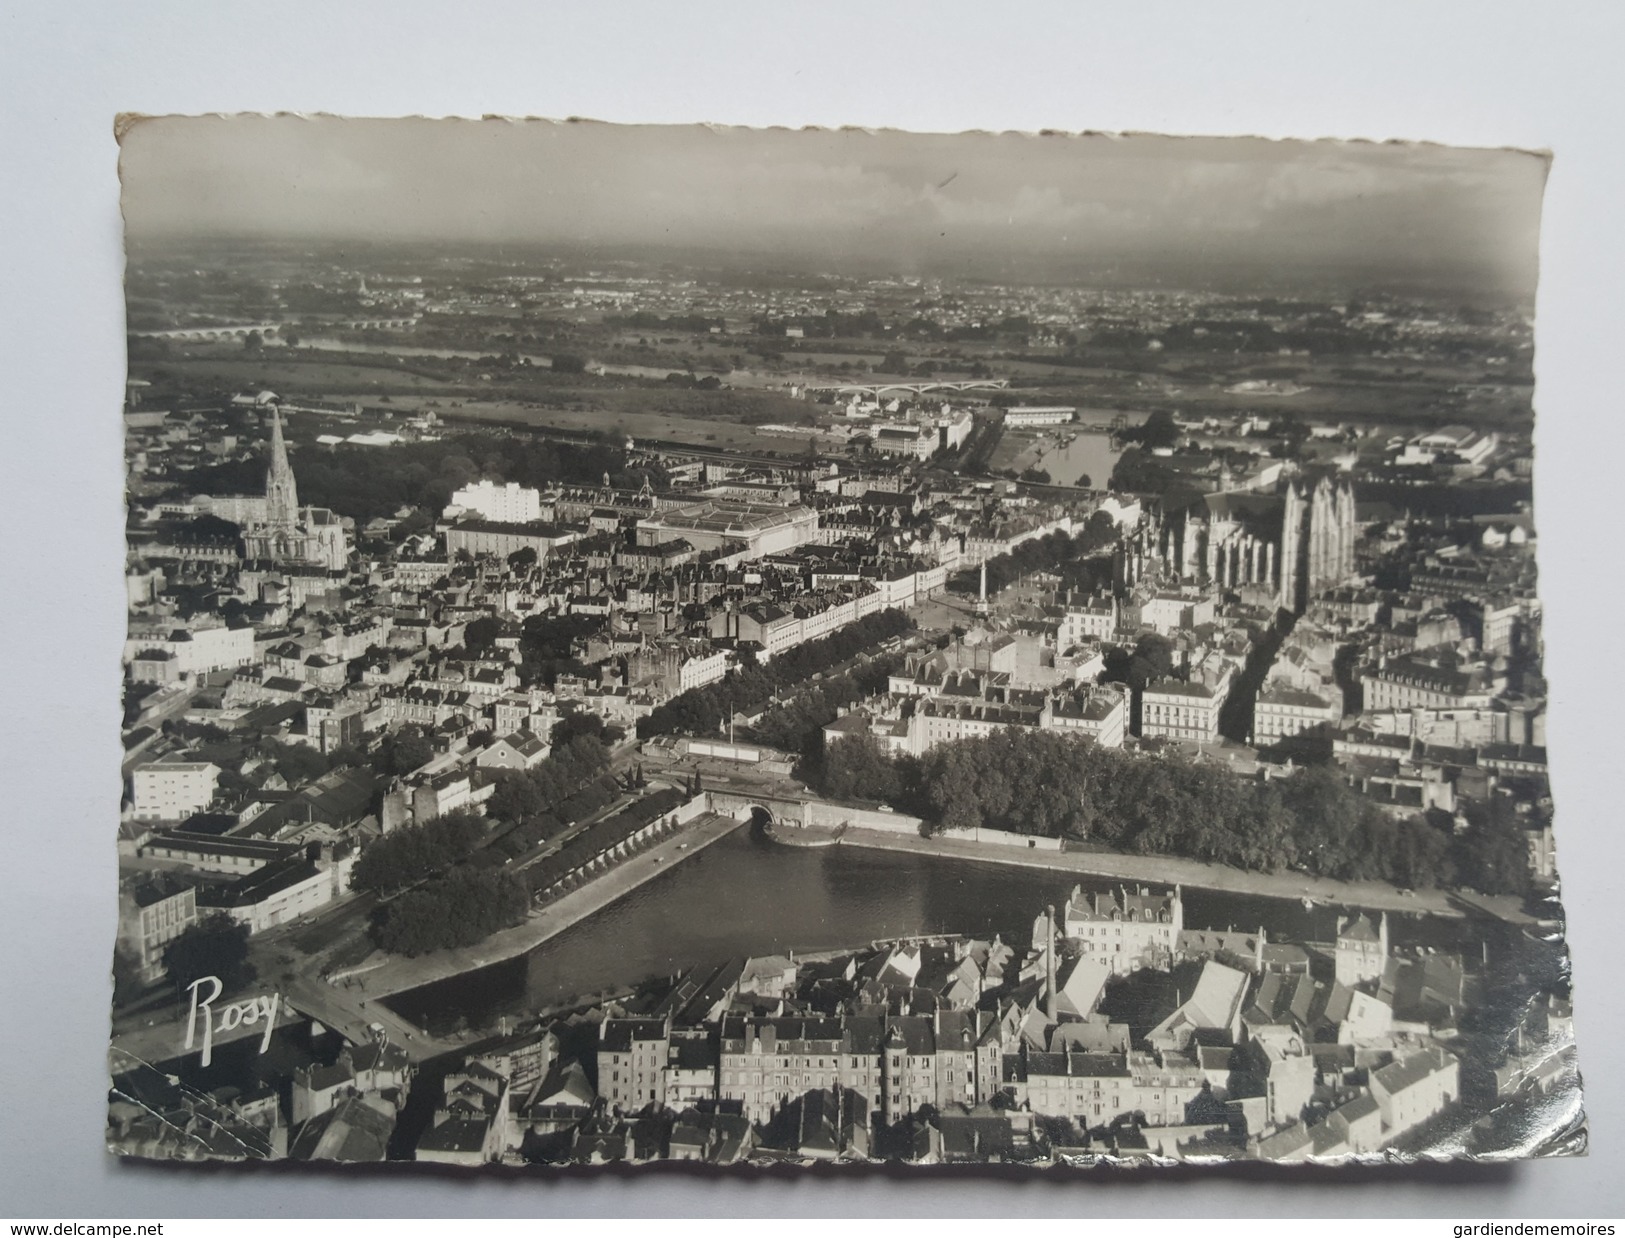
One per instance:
(1019,449)
(638,425)
(309,378)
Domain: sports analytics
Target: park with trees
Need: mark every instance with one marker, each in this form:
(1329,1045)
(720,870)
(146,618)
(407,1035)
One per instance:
(215,945)
(1046,783)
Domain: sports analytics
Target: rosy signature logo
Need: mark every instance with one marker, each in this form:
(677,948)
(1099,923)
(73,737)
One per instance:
(228,1018)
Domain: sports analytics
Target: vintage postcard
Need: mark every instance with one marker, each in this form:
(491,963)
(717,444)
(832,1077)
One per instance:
(749,646)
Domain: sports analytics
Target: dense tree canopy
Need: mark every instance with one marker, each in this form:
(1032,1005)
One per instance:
(465,906)
(796,725)
(365,483)
(403,751)
(523,794)
(1061,786)
(413,852)
(215,946)
(1152,658)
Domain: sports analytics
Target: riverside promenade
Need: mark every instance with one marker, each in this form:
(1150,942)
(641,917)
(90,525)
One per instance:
(1169,870)
(399,973)
(356,1004)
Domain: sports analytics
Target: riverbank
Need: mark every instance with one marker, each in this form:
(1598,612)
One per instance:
(1169,870)
(562,913)
(804,835)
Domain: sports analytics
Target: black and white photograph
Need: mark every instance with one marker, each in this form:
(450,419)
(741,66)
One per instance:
(756,646)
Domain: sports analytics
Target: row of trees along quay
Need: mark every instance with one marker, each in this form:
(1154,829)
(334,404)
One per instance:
(447,874)
(612,839)
(1063,786)
(751,686)
(536,804)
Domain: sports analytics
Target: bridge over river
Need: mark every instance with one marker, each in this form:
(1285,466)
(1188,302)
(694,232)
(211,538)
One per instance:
(810,813)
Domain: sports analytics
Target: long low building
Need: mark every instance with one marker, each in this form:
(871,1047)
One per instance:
(1427,683)
(279,892)
(489,537)
(215,854)
(716,524)
(196,651)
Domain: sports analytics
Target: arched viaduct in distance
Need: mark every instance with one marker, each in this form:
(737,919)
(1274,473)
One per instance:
(271,330)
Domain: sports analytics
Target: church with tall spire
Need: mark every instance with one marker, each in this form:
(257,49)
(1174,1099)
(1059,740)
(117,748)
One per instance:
(290,536)
(281,492)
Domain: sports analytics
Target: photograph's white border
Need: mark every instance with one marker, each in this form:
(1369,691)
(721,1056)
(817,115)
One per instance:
(1480,74)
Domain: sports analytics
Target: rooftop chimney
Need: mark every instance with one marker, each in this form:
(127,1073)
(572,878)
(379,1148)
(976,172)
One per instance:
(1049,965)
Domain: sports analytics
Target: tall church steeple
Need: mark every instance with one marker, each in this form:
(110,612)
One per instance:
(281,496)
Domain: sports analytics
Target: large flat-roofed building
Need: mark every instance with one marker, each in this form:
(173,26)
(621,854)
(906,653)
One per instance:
(915,442)
(1039,415)
(716,524)
(490,537)
(172,790)
(195,651)
(1473,446)
(509,503)
(279,892)
(742,490)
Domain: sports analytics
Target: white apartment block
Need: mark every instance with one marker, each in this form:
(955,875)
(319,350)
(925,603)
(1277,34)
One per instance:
(198,651)
(702,669)
(1096,618)
(1039,415)
(172,790)
(510,503)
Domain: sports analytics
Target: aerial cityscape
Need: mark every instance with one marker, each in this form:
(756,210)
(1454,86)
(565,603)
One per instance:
(841,647)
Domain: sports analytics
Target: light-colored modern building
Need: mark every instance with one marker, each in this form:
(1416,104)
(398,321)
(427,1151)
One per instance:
(509,503)
(1039,415)
(716,524)
(195,651)
(488,537)
(172,790)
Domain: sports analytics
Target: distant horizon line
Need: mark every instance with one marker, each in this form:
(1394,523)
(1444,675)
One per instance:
(1214,275)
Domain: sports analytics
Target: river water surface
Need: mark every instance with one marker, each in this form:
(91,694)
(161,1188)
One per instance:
(744,895)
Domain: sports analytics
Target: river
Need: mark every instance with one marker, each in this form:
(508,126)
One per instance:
(744,895)
(1088,454)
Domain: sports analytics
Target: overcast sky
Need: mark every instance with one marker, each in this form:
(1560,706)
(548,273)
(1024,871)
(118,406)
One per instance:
(844,198)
